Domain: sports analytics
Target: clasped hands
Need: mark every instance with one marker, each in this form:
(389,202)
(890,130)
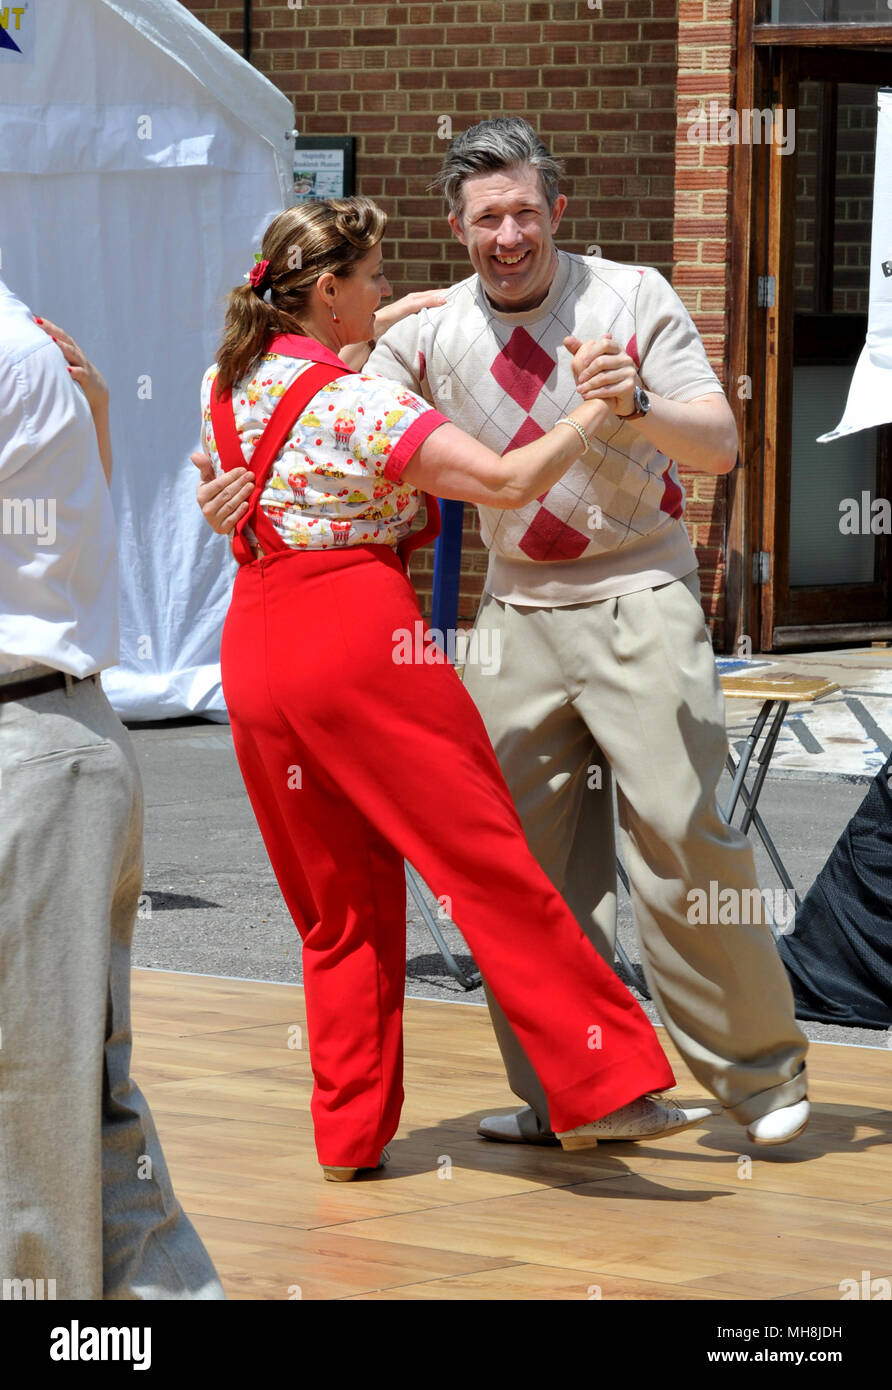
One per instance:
(604,371)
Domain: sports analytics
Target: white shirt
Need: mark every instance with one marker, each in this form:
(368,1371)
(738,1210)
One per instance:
(58,552)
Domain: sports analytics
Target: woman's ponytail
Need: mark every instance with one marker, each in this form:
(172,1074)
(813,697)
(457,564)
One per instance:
(249,322)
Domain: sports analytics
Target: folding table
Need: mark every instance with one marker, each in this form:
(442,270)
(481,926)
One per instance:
(777,690)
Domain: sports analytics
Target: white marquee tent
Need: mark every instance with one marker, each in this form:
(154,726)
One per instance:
(140,161)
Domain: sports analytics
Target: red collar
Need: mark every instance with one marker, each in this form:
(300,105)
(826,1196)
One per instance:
(307,349)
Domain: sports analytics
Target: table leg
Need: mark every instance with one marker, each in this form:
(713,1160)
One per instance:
(467,982)
(740,770)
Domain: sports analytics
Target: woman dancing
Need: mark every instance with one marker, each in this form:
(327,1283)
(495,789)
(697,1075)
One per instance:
(355,759)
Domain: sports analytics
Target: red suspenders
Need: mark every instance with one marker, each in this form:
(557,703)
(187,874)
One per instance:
(279,426)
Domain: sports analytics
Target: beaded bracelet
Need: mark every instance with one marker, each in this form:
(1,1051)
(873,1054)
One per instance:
(565,420)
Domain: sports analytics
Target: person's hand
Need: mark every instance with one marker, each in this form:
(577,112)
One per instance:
(224,500)
(91,382)
(604,371)
(389,314)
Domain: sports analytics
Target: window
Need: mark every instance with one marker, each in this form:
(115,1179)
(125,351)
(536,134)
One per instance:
(825,12)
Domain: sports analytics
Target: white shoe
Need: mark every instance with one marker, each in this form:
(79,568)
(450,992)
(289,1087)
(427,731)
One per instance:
(780,1126)
(523,1127)
(648,1117)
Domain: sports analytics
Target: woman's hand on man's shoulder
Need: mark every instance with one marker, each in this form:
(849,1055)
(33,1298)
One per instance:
(413,303)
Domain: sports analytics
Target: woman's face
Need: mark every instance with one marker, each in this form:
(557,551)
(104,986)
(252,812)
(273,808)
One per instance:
(358,295)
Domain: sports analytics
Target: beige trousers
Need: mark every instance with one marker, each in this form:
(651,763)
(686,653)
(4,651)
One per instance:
(626,690)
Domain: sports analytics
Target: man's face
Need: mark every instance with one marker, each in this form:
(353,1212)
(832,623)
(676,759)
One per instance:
(507,226)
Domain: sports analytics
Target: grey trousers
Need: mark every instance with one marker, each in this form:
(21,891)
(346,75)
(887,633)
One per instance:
(86,1203)
(626,690)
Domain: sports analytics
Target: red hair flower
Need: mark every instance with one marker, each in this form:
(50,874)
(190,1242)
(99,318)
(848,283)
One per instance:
(258,274)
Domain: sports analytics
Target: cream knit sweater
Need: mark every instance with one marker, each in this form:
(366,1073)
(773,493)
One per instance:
(613,524)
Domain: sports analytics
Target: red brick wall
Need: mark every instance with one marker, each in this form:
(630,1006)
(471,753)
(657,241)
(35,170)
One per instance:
(598,84)
(702,252)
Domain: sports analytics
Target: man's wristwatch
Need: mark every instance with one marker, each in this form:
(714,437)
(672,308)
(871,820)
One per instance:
(642,406)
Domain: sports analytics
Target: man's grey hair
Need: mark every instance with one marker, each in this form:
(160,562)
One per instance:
(502,143)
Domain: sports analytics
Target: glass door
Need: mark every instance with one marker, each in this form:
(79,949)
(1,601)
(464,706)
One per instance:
(830,554)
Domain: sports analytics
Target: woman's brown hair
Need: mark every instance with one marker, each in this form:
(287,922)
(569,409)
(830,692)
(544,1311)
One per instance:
(302,243)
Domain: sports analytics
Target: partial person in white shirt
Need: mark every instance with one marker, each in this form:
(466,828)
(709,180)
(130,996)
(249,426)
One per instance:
(86,1206)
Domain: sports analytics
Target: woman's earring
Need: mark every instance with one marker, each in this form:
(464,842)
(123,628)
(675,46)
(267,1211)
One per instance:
(334,316)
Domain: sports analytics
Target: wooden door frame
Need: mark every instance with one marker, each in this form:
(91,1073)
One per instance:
(766,60)
(748,205)
(778,332)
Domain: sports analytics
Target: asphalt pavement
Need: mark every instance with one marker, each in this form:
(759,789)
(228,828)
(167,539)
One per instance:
(211,904)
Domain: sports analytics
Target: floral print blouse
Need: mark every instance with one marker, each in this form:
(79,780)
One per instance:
(336,482)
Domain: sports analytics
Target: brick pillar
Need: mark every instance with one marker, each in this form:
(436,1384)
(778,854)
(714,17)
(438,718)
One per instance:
(702,252)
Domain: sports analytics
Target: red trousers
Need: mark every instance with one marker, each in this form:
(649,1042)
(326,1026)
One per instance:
(354,762)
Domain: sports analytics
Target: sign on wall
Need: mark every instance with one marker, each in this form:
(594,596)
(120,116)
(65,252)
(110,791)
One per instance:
(324,167)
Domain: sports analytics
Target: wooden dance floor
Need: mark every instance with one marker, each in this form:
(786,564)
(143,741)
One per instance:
(702,1215)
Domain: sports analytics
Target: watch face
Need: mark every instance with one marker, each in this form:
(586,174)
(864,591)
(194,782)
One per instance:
(642,400)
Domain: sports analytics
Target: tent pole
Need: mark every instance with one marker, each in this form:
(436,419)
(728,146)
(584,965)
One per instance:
(246,31)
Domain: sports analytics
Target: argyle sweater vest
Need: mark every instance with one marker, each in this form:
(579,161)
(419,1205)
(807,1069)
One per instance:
(613,524)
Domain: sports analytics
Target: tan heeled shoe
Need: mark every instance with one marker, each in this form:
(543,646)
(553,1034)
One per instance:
(348,1174)
(648,1117)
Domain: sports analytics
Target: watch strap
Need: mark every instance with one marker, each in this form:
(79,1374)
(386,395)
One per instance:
(638,413)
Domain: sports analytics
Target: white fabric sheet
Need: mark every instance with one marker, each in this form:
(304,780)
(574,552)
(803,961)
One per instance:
(130,232)
(870,394)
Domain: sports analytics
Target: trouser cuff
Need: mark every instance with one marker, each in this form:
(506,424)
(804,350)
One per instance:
(775,1098)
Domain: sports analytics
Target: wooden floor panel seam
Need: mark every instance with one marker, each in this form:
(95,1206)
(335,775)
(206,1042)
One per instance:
(345,1227)
(798,1293)
(440,1278)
